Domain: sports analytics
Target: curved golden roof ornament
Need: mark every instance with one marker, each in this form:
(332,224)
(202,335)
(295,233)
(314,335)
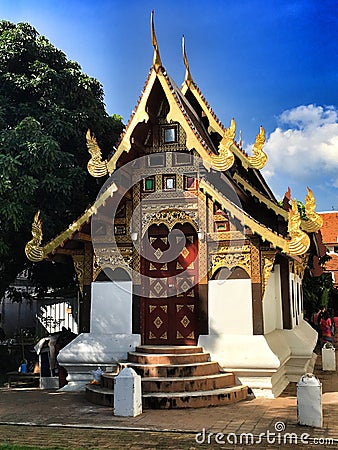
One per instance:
(300,241)
(33,248)
(259,158)
(226,158)
(96,167)
(187,77)
(157,63)
(315,221)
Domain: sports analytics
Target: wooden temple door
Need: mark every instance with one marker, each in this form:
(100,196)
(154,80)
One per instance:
(169,304)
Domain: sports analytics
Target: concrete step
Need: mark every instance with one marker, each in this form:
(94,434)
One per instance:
(107,380)
(174,400)
(174,370)
(173,377)
(168,358)
(198,399)
(172,349)
(178,384)
(99,395)
(187,384)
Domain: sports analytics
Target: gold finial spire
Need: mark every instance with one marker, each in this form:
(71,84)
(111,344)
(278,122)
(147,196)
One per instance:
(157,63)
(188,77)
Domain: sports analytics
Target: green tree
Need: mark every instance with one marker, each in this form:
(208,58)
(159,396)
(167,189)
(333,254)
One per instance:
(46,106)
(317,291)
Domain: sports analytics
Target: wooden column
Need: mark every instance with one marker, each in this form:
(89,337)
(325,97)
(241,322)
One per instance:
(85,301)
(285,288)
(256,288)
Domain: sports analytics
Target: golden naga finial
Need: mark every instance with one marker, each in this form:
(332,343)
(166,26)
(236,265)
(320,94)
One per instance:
(300,241)
(226,158)
(315,221)
(33,250)
(157,63)
(96,167)
(259,158)
(188,77)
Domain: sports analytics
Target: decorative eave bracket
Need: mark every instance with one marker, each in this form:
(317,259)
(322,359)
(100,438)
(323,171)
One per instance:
(96,167)
(225,159)
(33,249)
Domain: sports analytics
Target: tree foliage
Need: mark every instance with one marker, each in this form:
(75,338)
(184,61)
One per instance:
(46,106)
(318,291)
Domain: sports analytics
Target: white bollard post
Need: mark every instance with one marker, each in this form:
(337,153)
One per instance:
(328,357)
(127,393)
(309,401)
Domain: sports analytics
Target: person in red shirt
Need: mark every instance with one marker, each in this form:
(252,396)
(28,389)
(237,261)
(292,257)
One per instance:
(326,328)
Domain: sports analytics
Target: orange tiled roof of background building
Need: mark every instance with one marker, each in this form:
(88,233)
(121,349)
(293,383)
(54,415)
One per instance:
(333,263)
(329,229)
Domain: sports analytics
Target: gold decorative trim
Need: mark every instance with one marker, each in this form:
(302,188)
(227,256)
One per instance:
(96,167)
(259,158)
(36,253)
(312,225)
(187,77)
(234,210)
(215,124)
(300,266)
(157,63)
(167,217)
(230,261)
(33,250)
(267,202)
(78,261)
(268,260)
(315,221)
(225,159)
(300,241)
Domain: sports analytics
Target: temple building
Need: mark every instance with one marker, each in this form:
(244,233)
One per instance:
(186,245)
(329,233)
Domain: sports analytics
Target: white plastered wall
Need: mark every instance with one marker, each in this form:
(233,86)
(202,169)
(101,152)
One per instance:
(110,337)
(272,302)
(266,363)
(230,307)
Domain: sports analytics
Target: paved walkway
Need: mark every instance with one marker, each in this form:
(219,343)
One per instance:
(67,420)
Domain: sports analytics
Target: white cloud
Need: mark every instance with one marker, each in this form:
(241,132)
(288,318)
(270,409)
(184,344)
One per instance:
(305,144)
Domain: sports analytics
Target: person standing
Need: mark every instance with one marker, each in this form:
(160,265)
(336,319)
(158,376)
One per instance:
(326,328)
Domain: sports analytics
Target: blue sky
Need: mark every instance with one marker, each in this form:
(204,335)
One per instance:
(272,63)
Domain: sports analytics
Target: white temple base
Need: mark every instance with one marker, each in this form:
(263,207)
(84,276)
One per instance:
(89,351)
(265,363)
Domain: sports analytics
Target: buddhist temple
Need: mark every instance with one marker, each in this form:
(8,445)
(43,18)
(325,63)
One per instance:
(186,246)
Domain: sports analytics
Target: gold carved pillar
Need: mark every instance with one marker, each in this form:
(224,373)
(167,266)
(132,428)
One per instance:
(267,262)
(256,290)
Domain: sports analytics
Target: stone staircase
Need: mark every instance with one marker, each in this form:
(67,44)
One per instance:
(173,377)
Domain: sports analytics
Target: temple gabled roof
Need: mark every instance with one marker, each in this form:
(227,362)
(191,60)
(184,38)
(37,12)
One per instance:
(221,155)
